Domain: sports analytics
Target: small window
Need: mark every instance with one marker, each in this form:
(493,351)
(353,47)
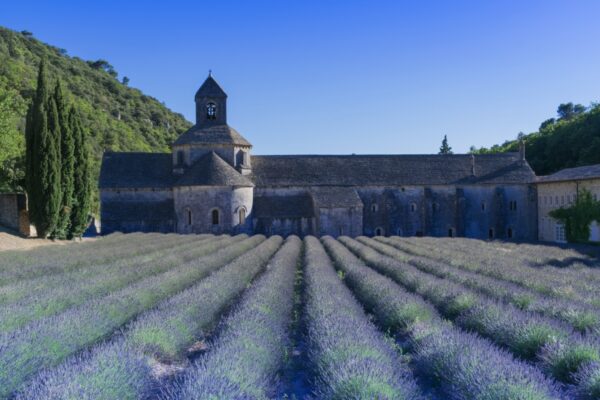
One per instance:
(512,205)
(211,111)
(451,232)
(509,233)
(399,232)
(341,231)
(215,217)
(483,206)
(374,208)
(490,233)
(242,215)
(180,157)
(378,231)
(413,207)
(435,207)
(559,232)
(189,216)
(556,200)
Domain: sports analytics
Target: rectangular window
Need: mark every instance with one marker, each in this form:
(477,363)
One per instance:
(560,234)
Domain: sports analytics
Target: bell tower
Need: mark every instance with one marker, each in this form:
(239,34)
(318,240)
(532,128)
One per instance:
(211,104)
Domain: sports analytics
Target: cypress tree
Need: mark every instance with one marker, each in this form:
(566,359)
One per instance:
(43,158)
(81,177)
(67,164)
(49,171)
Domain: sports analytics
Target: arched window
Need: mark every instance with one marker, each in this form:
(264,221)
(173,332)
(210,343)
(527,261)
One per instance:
(379,231)
(374,208)
(215,217)
(450,232)
(413,207)
(211,111)
(491,233)
(509,233)
(483,206)
(188,214)
(242,215)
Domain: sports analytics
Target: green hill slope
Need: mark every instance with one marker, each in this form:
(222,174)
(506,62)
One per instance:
(118,117)
(570,141)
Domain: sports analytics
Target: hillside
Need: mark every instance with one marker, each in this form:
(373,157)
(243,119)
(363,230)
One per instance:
(118,117)
(571,140)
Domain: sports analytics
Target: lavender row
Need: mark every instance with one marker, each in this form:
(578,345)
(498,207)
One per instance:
(550,281)
(68,291)
(23,288)
(350,357)
(561,352)
(580,316)
(40,265)
(128,364)
(50,340)
(245,359)
(460,365)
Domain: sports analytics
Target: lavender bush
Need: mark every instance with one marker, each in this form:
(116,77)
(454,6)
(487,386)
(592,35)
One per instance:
(50,340)
(351,359)
(244,360)
(581,316)
(523,333)
(48,260)
(166,331)
(463,365)
(59,292)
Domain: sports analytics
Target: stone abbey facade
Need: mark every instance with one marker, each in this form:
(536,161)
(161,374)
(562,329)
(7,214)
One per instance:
(212,183)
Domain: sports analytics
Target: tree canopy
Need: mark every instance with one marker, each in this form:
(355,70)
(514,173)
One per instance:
(116,117)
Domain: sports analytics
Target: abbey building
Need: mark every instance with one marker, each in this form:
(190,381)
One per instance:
(212,183)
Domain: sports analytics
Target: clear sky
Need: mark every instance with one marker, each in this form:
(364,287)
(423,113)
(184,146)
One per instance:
(307,77)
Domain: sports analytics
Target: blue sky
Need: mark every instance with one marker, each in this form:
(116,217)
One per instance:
(344,76)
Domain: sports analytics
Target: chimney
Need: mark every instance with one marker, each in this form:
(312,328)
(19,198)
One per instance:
(472,164)
(522,150)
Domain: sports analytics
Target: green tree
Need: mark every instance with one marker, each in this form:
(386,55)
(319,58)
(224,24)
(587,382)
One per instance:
(12,140)
(43,159)
(81,177)
(67,164)
(567,111)
(445,148)
(579,216)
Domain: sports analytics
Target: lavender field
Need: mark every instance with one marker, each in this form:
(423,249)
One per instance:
(164,316)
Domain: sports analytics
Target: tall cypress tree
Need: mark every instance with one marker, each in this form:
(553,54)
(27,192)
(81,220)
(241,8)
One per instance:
(43,158)
(50,166)
(67,164)
(81,177)
(36,124)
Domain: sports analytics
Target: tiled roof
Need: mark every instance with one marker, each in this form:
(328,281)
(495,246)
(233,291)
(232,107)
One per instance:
(212,170)
(389,170)
(293,206)
(136,170)
(568,174)
(335,197)
(210,88)
(218,134)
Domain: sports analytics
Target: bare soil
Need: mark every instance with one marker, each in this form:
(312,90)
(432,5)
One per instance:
(10,240)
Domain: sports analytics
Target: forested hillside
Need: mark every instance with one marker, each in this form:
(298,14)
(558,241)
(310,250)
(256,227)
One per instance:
(570,140)
(116,116)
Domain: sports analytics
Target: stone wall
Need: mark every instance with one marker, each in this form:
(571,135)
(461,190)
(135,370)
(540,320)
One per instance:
(13,212)
(194,207)
(136,210)
(553,195)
